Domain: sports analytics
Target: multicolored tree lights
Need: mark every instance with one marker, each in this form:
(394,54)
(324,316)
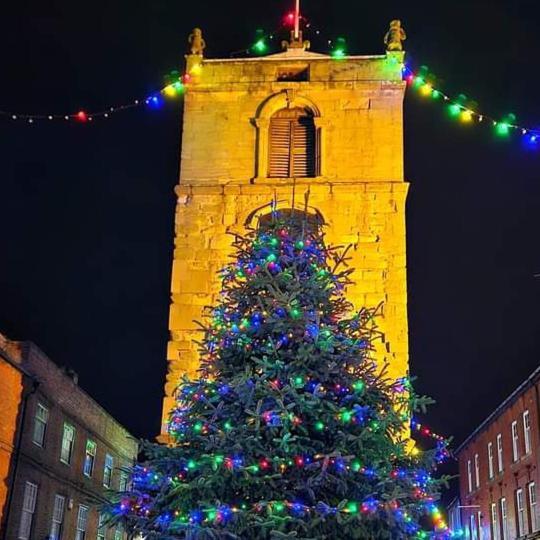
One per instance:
(291,428)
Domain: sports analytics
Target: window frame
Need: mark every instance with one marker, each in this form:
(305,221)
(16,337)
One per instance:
(477,470)
(67,428)
(28,510)
(89,461)
(55,521)
(101,531)
(293,130)
(521,521)
(515,441)
(504,518)
(527,431)
(123,481)
(494,515)
(532,500)
(108,469)
(500,462)
(469,475)
(491,469)
(40,422)
(82,516)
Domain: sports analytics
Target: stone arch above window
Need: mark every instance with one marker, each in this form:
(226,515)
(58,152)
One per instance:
(289,124)
(265,215)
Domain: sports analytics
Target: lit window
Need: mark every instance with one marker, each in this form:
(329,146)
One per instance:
(520,508)
(40,424)
(490,459)
(82,520)
(89,458)
(28,509)
(57,517)
(108,471)
(469,474)
(102,530)
(515,441)
(477,470)
(527,431)
(499,453)
(504,519)
(68,441)
(532,507)
(494,522)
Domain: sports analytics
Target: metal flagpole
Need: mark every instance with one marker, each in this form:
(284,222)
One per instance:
(297,21)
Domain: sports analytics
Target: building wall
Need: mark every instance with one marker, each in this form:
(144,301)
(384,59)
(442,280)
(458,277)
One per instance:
(41,465)
(360,193)
(515,475)
(11,392)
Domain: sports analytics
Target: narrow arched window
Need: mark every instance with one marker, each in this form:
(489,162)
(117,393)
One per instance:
(293,144)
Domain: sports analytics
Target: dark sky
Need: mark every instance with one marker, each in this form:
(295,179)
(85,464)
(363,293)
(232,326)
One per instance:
(86,213)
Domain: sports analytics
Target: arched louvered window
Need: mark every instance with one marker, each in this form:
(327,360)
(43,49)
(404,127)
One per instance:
(292,144)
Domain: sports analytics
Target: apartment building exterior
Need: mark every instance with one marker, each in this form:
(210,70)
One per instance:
(68,455)
(498,469)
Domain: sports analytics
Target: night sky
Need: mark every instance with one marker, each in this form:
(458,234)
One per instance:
(86,213)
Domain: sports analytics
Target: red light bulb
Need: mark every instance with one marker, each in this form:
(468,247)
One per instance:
(81,116)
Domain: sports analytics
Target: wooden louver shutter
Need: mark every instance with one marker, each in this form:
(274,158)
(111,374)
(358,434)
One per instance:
(280,147)
(292,147)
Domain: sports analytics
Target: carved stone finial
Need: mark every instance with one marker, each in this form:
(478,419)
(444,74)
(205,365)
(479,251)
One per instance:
(295,43)
(196,42)
(395,36)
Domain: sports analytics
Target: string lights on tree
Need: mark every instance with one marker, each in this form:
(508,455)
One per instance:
(291,428)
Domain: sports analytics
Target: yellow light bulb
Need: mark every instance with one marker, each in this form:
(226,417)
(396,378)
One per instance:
(426,89)
(169,91)
(466,116)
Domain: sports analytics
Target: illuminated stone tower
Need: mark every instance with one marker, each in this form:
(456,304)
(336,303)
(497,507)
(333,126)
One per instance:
(254,128)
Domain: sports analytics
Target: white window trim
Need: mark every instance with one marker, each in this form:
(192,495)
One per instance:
(57,520)
(504,519)
(494,522)
(491,471)
(521,514)
(500,463)
(479,524)
(82,522)
(469,475)
(532,506)
(477,470)
(101,529)
(515,441)
(71,428)
(108,466)
(28,510)
(43,420)
(527,431)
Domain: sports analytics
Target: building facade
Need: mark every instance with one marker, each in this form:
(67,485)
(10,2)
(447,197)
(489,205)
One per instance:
(279,128)
(498,469)
(68,455)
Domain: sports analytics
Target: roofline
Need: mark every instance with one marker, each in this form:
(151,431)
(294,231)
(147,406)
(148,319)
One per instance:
(27,345)
(529,381)
(279,58)
(16,365)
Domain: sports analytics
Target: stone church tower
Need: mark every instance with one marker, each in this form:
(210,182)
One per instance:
(278,126)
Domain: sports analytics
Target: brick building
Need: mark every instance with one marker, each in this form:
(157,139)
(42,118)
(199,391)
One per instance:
(498,469)
(66,452)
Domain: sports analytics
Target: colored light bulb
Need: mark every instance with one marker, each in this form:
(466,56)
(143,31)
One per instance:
(81,116)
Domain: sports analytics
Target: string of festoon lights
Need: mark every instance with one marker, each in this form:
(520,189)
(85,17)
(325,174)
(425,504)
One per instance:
(466,110)
(460,108)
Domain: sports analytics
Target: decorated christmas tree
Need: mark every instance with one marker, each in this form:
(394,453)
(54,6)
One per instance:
(291,428)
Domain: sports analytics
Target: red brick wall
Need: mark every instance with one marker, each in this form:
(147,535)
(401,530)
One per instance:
(515,475)
(66,402)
